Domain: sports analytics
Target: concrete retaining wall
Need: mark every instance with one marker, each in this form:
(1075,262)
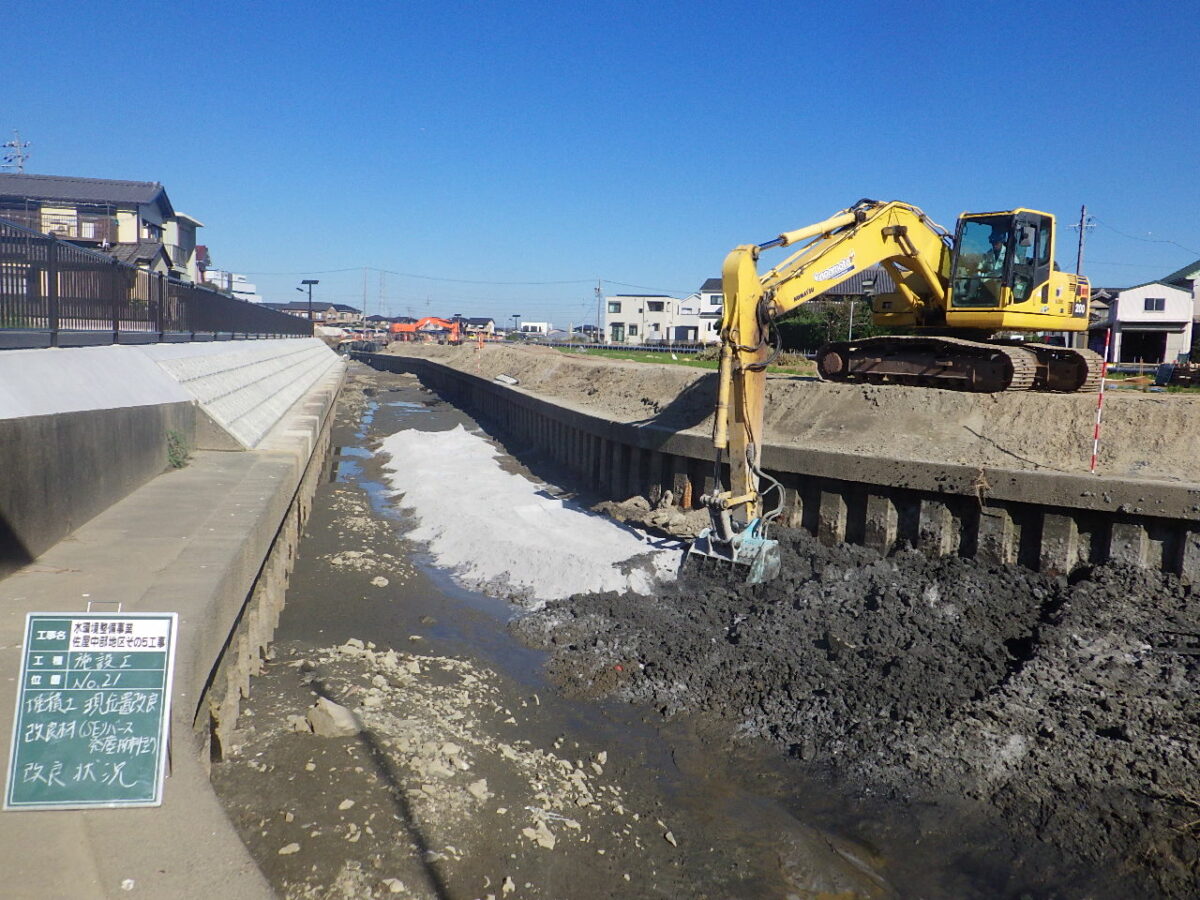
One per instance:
(82,428)
(1048,521)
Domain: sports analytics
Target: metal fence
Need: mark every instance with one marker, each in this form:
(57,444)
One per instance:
(55,294)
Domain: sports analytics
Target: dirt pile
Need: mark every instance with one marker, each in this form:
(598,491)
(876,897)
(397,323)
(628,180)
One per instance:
(1144,435)
(1066,712)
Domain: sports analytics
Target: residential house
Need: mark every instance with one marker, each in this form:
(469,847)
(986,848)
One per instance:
(233,283)
(535,329)
(657,318)
(710,303)
(477,325)
(1151,323)
(126,219)
(323,313)
(639,318)
(1188,279)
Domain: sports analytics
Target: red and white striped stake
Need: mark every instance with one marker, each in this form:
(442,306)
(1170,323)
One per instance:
(1100,401)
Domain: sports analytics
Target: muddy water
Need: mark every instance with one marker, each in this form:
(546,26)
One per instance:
(743,821)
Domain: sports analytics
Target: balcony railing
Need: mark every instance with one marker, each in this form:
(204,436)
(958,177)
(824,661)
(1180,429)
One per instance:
(53,293)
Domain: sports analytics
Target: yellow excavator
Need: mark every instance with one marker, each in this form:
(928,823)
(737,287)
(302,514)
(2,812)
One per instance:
(995,275)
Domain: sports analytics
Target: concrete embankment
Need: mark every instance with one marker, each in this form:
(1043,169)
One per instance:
(212,541)
(1051,521)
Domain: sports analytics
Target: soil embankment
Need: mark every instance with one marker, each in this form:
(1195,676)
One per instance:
(1144,435)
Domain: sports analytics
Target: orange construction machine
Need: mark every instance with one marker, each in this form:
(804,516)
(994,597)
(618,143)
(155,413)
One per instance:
(430,328)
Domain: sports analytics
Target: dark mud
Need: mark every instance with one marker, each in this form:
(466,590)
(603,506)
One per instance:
(1050,724)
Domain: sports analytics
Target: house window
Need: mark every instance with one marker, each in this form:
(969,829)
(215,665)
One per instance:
(633,330)
(714,299)
(1156,304)
(654,306)
(614,306)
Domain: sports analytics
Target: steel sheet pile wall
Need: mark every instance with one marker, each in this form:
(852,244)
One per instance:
(1050,521)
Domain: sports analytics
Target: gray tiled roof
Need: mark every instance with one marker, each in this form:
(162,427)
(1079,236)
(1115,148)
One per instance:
(142,251)
(83,190)
(712,284)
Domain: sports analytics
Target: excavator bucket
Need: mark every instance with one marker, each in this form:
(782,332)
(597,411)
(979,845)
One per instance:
(744,548)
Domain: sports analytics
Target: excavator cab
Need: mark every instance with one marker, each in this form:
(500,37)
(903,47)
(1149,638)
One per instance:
(1000,259)
(1003,276)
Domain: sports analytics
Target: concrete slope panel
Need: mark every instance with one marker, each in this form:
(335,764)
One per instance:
(246,387)
(82,379)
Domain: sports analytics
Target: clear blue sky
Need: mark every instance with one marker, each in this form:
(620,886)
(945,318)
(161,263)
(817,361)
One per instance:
(514,153)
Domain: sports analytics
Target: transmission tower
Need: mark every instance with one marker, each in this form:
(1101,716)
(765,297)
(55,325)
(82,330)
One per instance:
(16,152)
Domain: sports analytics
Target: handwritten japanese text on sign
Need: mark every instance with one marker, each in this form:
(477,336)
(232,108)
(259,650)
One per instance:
(92,711)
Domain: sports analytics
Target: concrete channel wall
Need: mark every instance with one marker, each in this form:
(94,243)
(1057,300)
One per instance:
(1048,521)
(214,542)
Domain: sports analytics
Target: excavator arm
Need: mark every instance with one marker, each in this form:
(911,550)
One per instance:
(915,252)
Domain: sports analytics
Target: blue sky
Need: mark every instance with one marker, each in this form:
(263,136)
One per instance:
(511,154)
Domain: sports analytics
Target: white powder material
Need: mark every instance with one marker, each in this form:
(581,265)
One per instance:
(496,532)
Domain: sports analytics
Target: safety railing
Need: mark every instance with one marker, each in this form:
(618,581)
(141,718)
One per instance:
(56,294)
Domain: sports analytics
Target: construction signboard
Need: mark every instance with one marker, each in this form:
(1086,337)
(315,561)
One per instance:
(93,711)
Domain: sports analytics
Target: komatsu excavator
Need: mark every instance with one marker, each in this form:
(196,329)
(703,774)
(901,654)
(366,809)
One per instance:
(995,274)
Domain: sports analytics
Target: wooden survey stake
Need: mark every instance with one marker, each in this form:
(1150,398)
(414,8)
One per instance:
(93,711)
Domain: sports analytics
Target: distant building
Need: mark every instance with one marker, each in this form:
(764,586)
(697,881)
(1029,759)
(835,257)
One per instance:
(535,328)
(235,284)
(1188,279)
(1151,323)
(479,325)
(641,318)
(127,219)
(323,313)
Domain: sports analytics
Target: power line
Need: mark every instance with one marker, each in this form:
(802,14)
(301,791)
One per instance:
(470,281)
(423,277)
(1133,237)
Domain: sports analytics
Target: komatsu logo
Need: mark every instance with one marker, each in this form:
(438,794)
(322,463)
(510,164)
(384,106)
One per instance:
(841,267)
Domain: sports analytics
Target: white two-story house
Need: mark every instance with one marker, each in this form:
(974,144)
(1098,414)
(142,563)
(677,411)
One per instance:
(659,318)
(1151,323)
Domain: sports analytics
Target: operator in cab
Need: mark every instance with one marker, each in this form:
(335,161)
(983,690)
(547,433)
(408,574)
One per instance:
(992,264)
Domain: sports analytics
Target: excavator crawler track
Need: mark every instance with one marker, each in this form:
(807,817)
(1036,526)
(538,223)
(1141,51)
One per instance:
(943,362)
(1065,370)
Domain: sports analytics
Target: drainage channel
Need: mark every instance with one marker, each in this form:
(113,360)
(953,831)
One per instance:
(475,776)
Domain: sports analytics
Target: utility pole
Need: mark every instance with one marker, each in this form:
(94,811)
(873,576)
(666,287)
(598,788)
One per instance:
(1083,226)
(309,282)
(599,313)
(16,152)
(1077,340)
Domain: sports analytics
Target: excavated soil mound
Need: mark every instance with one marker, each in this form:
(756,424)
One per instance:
(1066,712)
(1144,435)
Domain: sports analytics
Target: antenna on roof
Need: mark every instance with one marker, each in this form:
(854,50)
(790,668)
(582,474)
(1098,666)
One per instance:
(16,152)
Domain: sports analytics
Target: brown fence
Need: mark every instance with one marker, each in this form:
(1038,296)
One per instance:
(56,294)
